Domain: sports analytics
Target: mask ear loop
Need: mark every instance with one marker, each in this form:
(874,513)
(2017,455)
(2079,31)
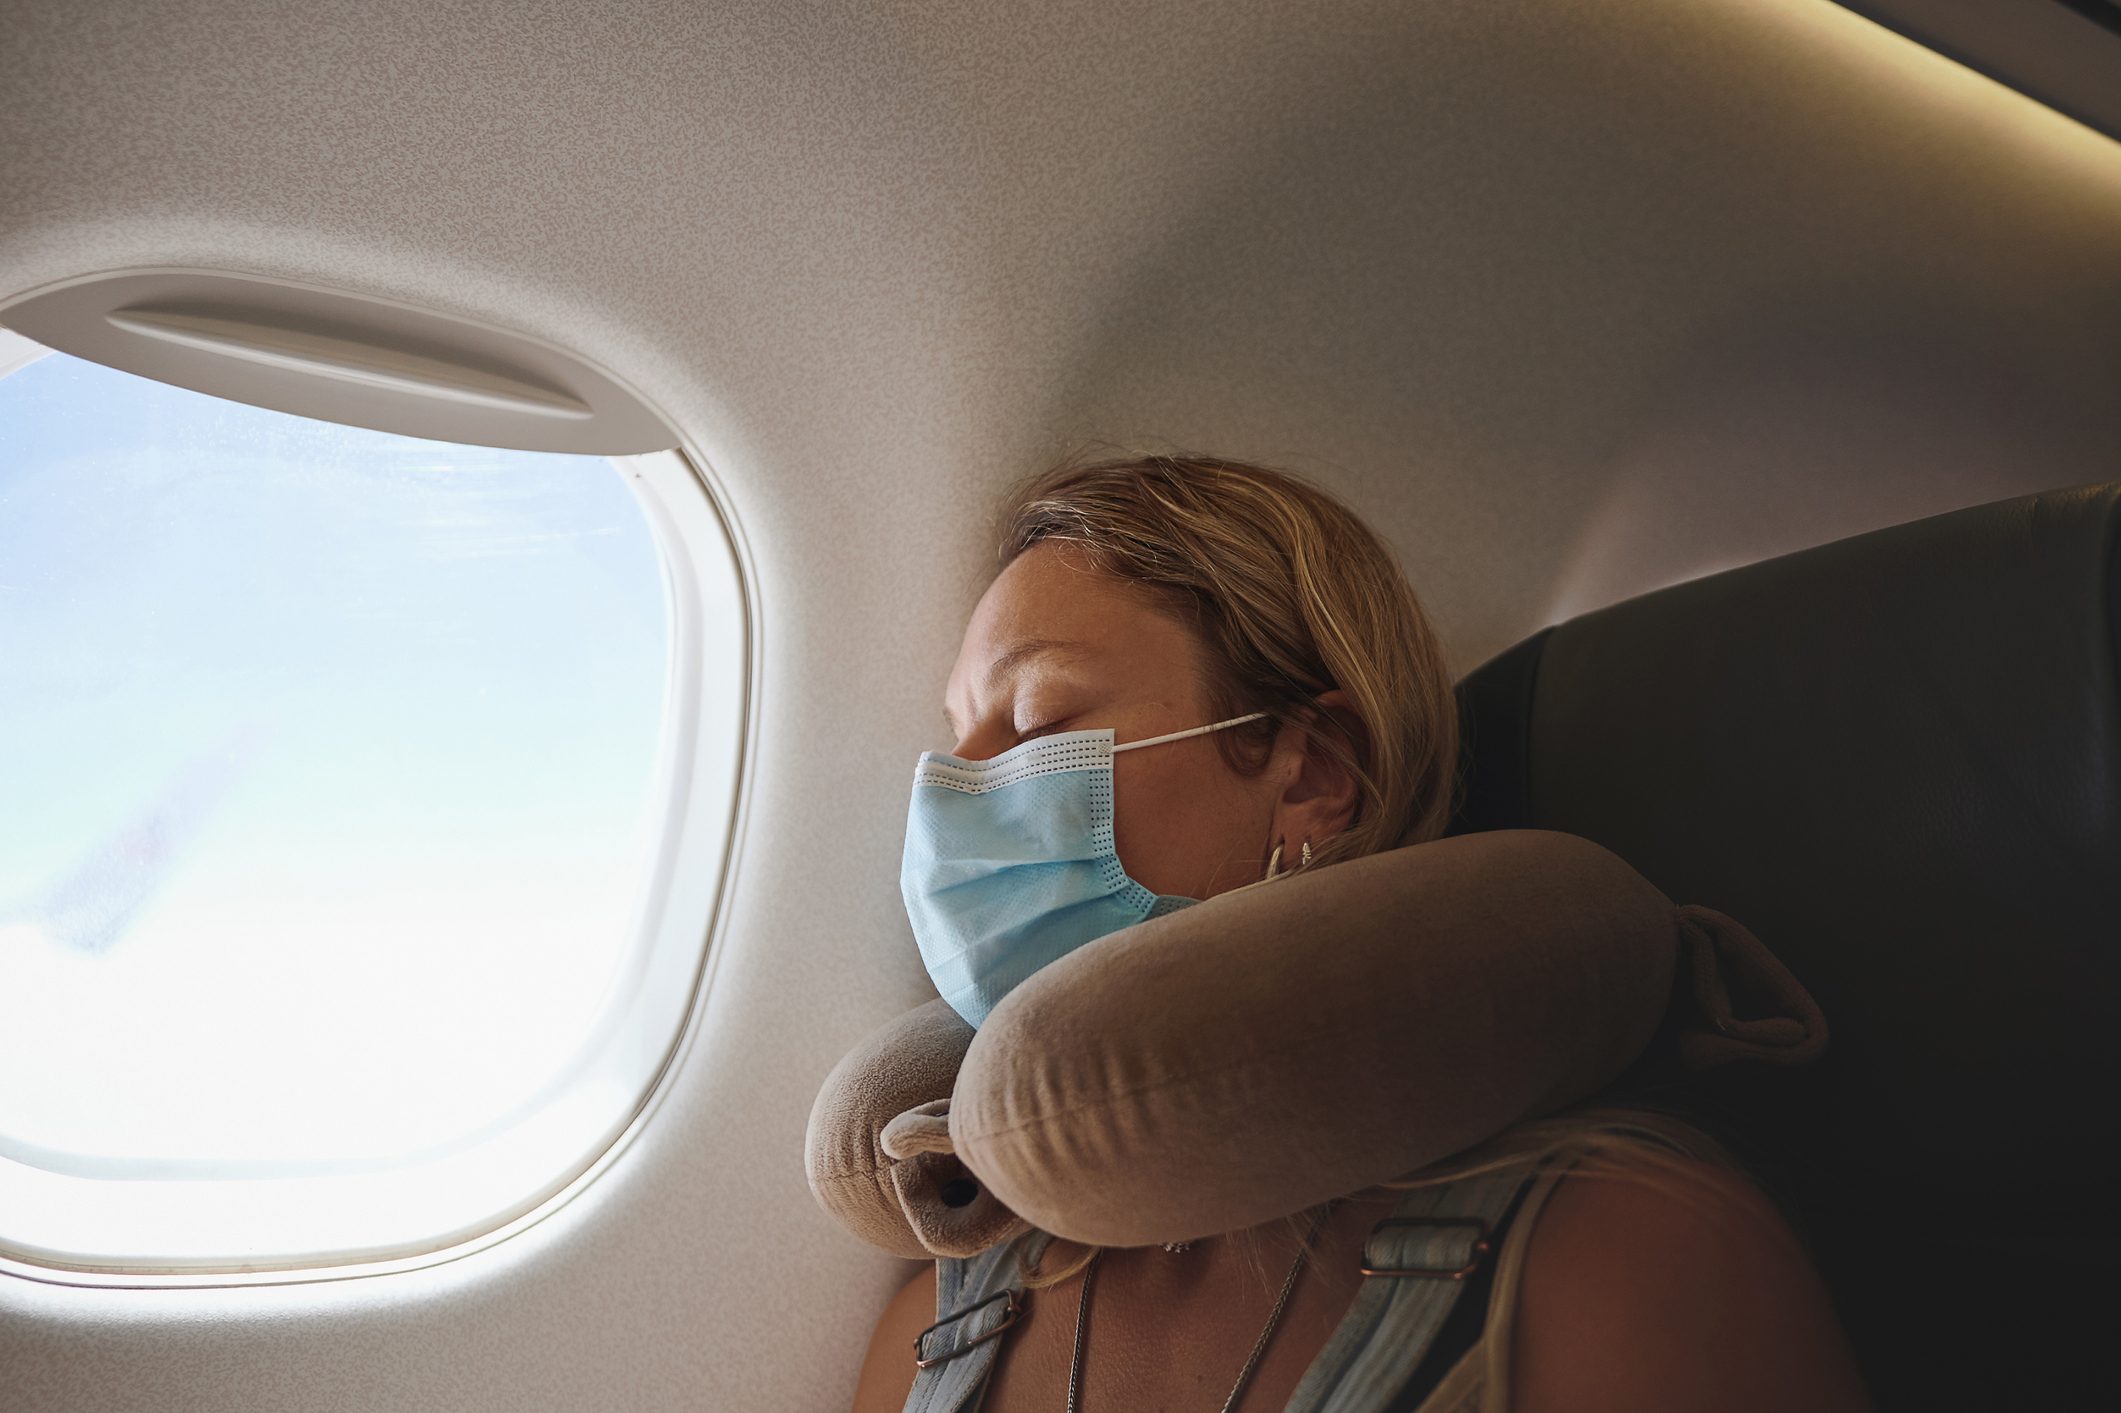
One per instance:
(1193,731)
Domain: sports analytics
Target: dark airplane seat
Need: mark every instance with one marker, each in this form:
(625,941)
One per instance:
(1897,758)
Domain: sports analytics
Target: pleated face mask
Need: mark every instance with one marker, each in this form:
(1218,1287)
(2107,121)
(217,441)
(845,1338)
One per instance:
(1010,862)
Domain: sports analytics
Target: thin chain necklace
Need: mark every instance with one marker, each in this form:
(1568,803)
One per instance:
(1259,1346)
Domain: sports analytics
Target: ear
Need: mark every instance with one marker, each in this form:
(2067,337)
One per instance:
(1320,795)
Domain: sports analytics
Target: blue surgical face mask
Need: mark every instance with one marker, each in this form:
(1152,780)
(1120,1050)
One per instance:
(1010,862)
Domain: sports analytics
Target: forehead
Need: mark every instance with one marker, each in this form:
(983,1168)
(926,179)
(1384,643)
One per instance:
(1050,594)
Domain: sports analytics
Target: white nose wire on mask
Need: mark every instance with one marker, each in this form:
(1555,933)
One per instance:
(1194,731)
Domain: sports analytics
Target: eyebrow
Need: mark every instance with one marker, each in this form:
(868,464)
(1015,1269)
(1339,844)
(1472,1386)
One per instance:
(1015,656)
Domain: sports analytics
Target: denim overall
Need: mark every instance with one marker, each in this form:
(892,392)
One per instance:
(1414,1264)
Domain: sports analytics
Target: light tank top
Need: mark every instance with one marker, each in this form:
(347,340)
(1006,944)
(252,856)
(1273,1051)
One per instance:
(1371,1357)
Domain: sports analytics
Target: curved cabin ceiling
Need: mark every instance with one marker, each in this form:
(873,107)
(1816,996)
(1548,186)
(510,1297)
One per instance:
(1572,299)
(2066,53)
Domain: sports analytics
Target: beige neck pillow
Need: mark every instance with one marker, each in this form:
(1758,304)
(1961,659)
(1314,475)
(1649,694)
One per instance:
(1248,1057)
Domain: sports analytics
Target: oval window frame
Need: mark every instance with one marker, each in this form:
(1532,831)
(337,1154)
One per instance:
(266,1230)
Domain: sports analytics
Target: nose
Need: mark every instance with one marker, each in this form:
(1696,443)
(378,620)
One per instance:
(984,742)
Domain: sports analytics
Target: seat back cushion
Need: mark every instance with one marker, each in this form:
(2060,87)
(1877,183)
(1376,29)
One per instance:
(1898,758)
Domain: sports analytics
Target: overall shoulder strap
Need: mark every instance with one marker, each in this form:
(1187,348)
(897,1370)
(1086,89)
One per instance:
(976,1299)
(1415,1264)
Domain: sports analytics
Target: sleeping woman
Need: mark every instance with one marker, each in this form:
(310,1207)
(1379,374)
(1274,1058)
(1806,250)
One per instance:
(1278,705)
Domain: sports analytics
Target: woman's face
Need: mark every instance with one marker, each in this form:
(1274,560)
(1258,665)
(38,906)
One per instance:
(1056,645)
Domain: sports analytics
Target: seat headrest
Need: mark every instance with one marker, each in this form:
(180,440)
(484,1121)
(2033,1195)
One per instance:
(1898,758)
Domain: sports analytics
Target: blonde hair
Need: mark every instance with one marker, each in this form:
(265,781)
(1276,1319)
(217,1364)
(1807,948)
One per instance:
(1291,596)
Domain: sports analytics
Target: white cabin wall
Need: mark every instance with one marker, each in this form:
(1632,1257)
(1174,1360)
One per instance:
(1570,298)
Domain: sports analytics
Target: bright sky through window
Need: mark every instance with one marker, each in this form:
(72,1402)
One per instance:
(326,771)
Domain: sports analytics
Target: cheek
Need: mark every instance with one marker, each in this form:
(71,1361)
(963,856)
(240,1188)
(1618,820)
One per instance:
(1193,830)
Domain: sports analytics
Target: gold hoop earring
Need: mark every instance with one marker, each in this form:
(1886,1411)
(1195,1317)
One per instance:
(1274,862)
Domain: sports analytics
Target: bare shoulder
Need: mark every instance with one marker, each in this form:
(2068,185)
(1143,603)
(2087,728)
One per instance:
(887,1372)
(1690,1293)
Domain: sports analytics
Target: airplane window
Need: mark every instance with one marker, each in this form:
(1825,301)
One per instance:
(330,802)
